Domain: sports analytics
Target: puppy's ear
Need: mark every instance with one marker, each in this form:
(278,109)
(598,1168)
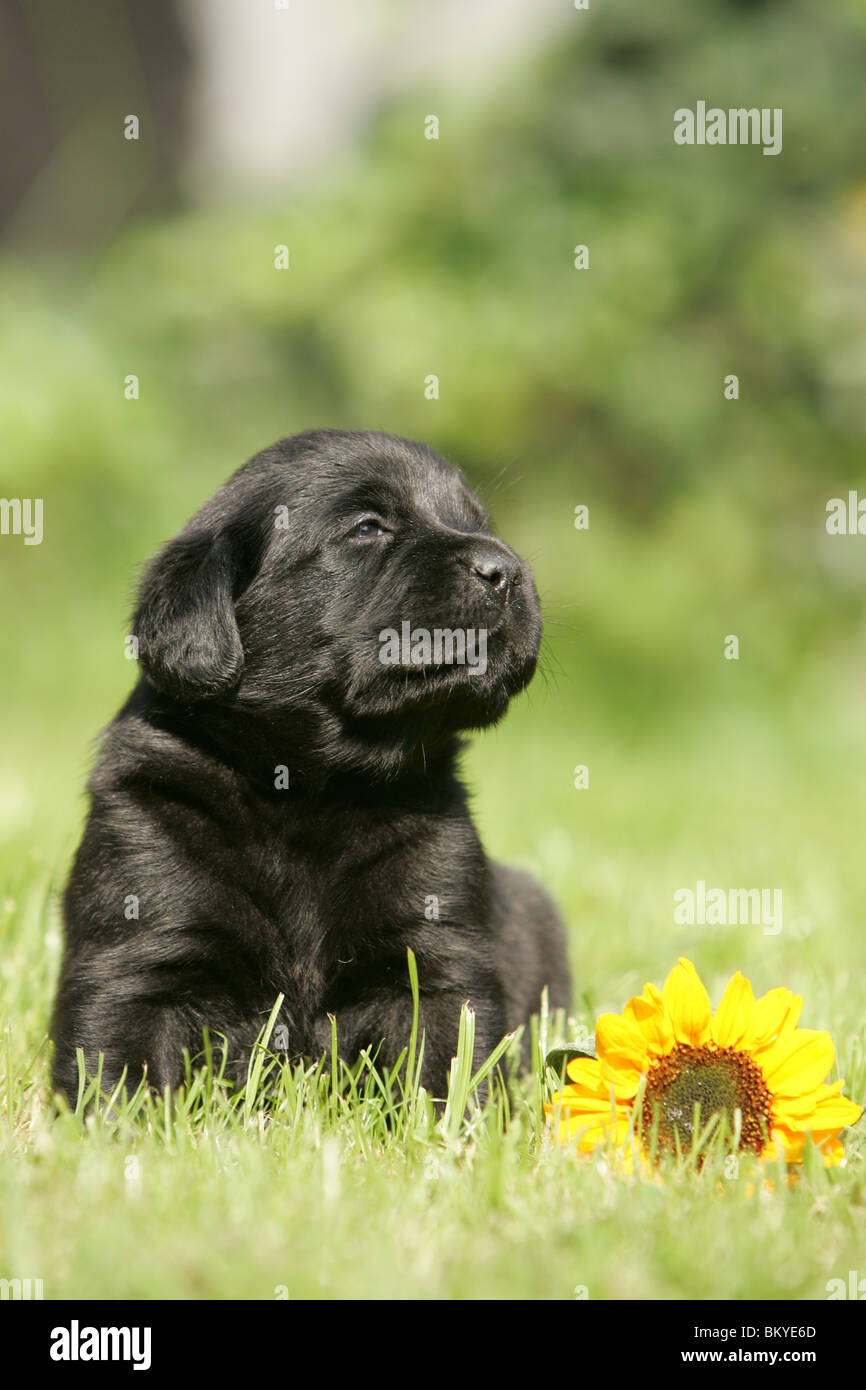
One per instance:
(188,641)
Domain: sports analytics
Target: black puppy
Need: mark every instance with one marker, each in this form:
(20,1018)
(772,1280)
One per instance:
(276,807)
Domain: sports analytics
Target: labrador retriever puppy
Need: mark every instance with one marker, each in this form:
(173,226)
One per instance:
(276,809)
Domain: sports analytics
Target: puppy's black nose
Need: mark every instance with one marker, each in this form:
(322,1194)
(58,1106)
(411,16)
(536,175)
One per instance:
(497,569)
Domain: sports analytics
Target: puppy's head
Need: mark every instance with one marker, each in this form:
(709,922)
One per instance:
(347,586)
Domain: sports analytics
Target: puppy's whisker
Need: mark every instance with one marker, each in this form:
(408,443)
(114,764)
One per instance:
(493,486)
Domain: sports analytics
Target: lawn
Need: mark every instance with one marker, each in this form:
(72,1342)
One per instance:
(327,1188)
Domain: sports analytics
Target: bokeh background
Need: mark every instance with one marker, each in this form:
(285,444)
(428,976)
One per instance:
(305,127)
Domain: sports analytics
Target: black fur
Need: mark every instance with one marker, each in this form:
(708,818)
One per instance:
(258,630)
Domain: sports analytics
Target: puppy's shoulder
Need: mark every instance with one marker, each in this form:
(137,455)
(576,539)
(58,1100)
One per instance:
(144,756)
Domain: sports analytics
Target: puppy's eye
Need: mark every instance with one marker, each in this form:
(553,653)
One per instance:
(370,528)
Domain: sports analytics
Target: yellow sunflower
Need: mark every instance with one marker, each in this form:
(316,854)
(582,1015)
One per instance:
(748,1056)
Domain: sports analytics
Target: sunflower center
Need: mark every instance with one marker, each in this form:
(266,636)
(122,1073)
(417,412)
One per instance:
(720,1081)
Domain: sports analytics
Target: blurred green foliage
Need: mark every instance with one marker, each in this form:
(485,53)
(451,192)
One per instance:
(557,386)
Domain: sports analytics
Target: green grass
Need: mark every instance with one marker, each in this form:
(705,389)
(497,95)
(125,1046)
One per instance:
(741,774)
(334,1185)
(320,1183)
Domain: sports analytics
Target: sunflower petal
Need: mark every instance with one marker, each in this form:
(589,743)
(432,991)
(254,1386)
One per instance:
(775,1013)
(594,1136)
(735,1012)
(647,1013)
(622,1052)
(587,1129)
(783,1143)
(793,1146)
(585,1071)
(793,1107)
(571,1101)
(687,1004)
(837,1112)
(798,1061)
(825,1109)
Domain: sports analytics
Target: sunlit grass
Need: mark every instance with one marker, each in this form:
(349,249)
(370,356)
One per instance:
(326,1181)
(323,1180)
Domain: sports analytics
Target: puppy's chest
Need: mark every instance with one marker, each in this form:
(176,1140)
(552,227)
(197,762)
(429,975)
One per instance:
(355,894)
